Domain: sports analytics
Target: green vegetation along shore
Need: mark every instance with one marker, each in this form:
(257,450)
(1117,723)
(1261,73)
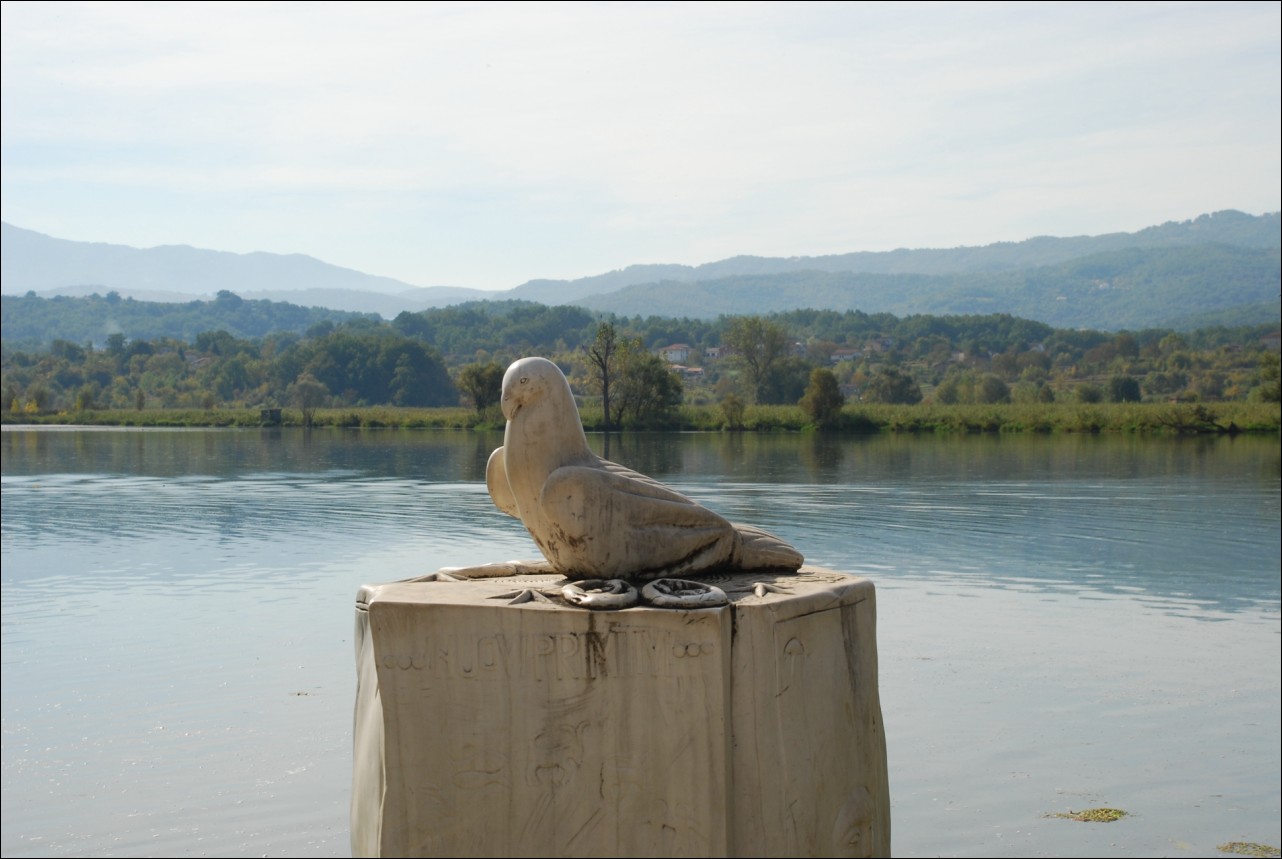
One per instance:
(840,372)
(1140,418)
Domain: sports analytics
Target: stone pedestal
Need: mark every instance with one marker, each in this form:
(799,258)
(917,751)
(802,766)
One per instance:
(485,728)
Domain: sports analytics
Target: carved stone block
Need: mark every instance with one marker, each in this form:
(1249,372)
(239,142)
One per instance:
(485,728)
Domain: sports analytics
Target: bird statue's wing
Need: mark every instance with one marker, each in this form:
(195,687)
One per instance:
(641,484)
(624,524)
(496,482)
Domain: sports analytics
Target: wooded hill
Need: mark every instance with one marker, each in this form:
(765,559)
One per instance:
(1182,288)
(30,322)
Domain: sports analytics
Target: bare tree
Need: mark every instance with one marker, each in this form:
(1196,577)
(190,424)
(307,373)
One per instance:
(602,354)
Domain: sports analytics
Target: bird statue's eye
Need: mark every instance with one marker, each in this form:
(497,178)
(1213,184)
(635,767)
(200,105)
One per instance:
(524,379)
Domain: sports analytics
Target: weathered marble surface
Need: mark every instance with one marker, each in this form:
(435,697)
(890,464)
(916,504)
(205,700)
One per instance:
(594,519)
(751,729)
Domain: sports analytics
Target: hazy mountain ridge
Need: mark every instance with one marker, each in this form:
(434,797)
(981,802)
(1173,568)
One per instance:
(1233,275)
(1227,227)
(32,261)
(1130,288)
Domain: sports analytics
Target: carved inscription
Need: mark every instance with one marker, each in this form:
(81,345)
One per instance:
(620,651)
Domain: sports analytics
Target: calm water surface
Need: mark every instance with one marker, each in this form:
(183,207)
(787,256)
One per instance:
(1063,623)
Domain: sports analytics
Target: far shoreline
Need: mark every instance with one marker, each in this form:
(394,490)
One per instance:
(1153,418)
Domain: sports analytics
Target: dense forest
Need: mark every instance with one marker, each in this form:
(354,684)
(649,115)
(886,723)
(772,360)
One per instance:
(454,356)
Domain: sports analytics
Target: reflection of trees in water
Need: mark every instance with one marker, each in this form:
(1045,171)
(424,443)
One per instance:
(1192,521)
(654,454)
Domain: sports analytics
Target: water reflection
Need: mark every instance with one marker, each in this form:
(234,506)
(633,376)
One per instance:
(177,612)
(1194,521)
(231,453)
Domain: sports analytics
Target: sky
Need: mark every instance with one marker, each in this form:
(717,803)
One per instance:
(487,144)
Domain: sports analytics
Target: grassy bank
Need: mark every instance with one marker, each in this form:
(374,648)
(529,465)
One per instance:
(1156,418)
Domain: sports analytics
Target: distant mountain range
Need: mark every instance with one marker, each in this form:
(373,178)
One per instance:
(1221,268)
(32,261)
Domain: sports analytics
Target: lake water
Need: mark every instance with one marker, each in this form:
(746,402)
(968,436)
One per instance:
(1064,623)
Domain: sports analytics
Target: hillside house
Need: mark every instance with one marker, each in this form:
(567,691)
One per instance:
(677,353)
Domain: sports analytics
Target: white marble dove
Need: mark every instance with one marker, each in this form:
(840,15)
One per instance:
(594,519)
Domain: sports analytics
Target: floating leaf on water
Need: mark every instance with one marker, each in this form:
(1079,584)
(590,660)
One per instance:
(1249,848)
(1093,815)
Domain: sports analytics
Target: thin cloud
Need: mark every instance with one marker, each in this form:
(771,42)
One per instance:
(486,144)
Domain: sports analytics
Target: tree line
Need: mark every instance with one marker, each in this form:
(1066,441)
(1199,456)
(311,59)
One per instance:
(638,370)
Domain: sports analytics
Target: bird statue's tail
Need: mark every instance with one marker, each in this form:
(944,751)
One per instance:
(761,550)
